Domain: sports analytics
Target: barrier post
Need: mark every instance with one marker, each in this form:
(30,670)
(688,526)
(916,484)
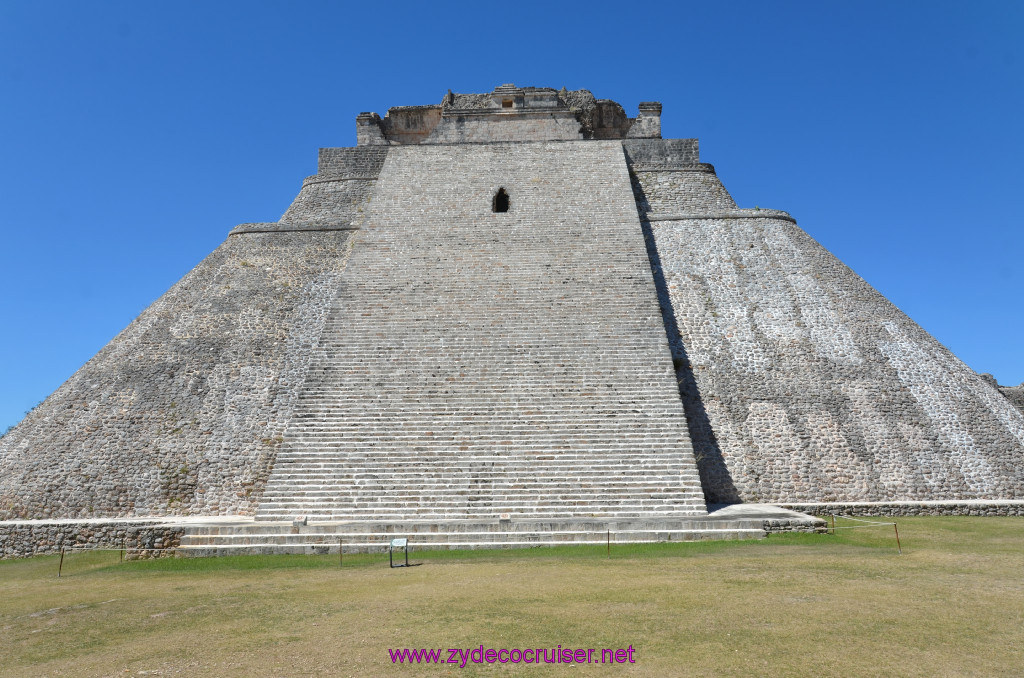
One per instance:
(61,565)
(898,547)
(833,523)
(609,542)
(341,553)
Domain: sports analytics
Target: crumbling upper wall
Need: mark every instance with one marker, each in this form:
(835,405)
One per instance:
(509,113)
(410,124)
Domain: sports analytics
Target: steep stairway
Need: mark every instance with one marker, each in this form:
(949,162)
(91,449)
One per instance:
(477,364)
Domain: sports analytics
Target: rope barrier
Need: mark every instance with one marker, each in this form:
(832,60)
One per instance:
(860,527)
(122,550)
(869,523)
(861,520)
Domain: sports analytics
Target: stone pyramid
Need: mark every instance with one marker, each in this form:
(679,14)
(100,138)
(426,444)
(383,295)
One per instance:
(521,303)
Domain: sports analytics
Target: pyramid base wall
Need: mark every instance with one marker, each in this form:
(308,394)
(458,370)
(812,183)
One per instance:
(911,508)
(140,539)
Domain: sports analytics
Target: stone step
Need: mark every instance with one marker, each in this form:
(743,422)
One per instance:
(494,479)
(441,448)
(465,511)
(471,503)
(428,452)
(428,449)
(547,456)
(365,508)
(456,475)
(414,495)
(206,551)
(486,477)
(438,514)
(579,468)
(466,470)
(542,470)
(438,442)
(462,539)
(416,527)
(566,408)
(444,489)
(468,368)
(488,484)
(361,535)
(276,516)
(396,428)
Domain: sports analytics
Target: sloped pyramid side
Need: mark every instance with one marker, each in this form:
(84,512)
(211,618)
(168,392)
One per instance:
(183,411)
(478,363)
(801,382)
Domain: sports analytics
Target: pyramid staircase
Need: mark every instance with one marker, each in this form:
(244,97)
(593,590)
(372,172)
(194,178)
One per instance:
(479,366)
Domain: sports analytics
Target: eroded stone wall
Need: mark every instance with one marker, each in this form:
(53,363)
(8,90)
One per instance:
(803,384)
(557,125)
(140,540)
(184,410)
(990,508)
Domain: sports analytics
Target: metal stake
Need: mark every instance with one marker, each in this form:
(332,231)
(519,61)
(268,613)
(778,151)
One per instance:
(61,565)
(898,547)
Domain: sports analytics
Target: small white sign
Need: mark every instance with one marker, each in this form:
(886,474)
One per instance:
(399,543)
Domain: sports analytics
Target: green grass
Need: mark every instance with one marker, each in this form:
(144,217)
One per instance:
(791,605)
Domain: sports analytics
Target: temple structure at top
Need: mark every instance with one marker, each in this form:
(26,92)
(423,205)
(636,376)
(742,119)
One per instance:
(510,113)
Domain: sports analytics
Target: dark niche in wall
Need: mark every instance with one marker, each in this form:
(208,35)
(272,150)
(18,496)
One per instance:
(500,202)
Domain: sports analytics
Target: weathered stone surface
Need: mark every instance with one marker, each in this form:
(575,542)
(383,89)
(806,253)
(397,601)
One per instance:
(987,507)
(480,363)
(516,362)
(802,383)
(509,113)
(20,539)
(184,410)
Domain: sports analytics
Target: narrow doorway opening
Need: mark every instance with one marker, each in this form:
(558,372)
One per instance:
(500,202)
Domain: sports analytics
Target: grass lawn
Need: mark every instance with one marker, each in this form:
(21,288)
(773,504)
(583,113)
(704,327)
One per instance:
(794,605)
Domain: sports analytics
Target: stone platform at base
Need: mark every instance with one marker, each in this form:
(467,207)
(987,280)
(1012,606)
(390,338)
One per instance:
(939,507)
(749,521)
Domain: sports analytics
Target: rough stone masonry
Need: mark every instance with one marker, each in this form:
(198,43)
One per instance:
(623,341)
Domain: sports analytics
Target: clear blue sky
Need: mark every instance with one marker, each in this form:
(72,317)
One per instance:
(134,135)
